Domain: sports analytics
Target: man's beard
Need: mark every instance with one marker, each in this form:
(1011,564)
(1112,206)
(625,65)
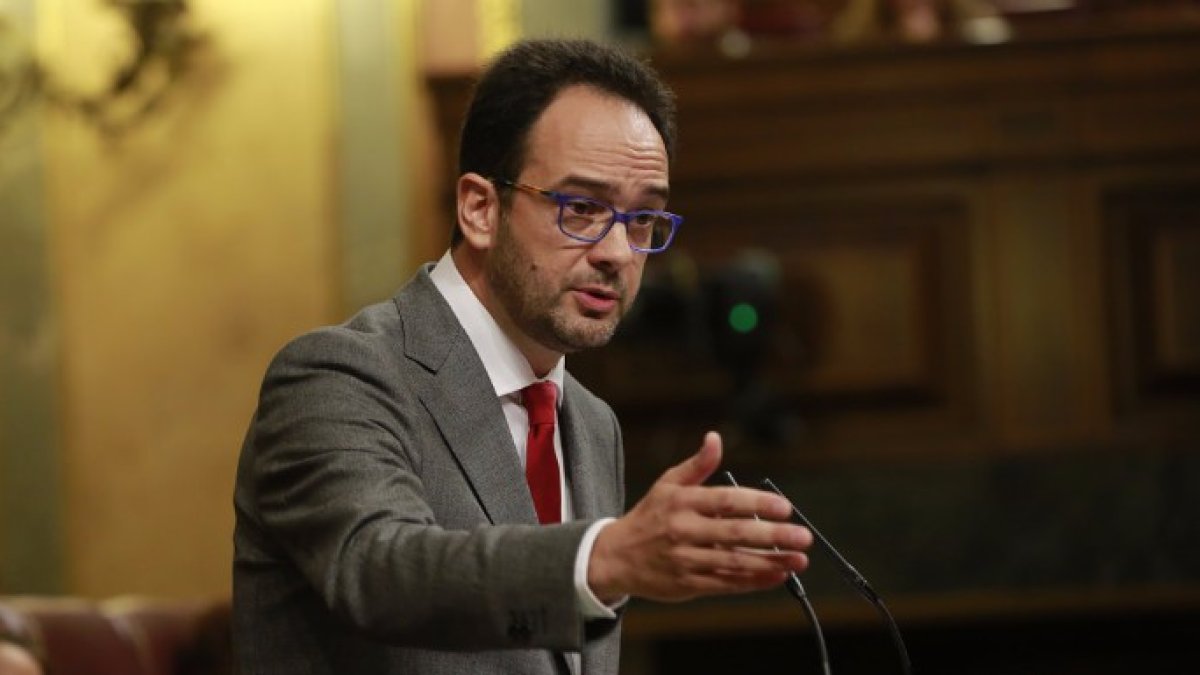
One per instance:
(534,304)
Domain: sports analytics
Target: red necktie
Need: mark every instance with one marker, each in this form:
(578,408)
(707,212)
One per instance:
(541,465)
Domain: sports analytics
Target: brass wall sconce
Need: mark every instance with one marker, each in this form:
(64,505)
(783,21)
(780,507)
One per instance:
(166,48)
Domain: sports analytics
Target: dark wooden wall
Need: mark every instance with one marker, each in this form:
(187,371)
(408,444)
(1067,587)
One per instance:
(977,249)
(967,249)
(977,271)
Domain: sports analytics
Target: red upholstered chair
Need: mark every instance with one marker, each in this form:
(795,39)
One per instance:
(76,638)
(162,631)
(140,636)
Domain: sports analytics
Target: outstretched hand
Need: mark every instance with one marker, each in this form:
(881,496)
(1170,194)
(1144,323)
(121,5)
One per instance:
(685,539)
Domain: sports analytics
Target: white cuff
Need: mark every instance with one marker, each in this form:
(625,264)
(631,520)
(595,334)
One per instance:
(589,605)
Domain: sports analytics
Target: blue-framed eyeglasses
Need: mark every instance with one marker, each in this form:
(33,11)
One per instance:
(587,219)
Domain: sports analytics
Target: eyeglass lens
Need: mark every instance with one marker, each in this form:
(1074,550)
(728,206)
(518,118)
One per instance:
(589,220)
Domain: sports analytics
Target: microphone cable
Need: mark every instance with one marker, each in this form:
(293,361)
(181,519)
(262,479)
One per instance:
(852,577)
(797,591)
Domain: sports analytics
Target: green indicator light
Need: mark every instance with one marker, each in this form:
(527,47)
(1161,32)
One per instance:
(743,318)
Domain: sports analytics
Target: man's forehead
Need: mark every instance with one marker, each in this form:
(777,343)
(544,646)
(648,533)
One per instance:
(593,139)
(578,111)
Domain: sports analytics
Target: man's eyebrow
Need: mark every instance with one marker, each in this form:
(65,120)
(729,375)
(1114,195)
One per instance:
(590,184)
(605,188)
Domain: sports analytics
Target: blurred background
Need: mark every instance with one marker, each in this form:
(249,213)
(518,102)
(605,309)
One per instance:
(939,279)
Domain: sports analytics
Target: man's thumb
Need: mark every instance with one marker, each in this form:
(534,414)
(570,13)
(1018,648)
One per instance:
(696,469)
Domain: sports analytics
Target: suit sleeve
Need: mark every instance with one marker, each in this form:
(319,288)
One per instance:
(337,487)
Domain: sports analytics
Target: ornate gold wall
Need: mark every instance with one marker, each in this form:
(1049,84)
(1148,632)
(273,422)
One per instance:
(183,256)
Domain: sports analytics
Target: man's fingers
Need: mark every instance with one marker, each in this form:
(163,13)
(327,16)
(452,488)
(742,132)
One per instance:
(730,533)
(734,502)
(715,584)
(721,582)
(696,469)
(737,563)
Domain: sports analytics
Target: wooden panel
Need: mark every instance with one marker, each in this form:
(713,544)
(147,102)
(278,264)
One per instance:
(874,332)
(1155,251)
(813,112)
(1175,279)
(744,142)
(1037,362)
(1151,117)
(859,289)
(856,296)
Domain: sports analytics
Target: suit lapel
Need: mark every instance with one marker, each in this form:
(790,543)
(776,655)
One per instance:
(474,427)
(462,403)
(579,454)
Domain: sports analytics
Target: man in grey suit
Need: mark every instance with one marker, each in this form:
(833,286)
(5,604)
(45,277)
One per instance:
(425,489)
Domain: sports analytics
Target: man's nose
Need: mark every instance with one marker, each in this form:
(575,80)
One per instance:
(613,250)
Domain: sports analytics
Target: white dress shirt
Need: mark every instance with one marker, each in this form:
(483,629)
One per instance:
(510,372)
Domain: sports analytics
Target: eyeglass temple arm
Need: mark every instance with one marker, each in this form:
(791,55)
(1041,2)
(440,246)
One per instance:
(852,577)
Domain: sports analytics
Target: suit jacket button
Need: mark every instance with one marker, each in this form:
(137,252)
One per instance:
(519,630)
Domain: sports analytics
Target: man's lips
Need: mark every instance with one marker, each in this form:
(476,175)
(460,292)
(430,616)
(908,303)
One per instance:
(596,298)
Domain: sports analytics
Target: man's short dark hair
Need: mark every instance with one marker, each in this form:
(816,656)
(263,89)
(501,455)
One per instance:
(521,82)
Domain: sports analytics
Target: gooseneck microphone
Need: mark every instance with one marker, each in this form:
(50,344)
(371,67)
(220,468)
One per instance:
(796,589)
(852,577)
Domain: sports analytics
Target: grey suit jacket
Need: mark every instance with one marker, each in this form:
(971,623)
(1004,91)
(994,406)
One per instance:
(383,520)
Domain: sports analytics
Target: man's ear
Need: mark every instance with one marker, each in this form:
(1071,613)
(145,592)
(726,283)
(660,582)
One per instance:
(478,210)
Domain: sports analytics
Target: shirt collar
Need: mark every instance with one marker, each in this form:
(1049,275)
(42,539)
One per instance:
(506,366)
